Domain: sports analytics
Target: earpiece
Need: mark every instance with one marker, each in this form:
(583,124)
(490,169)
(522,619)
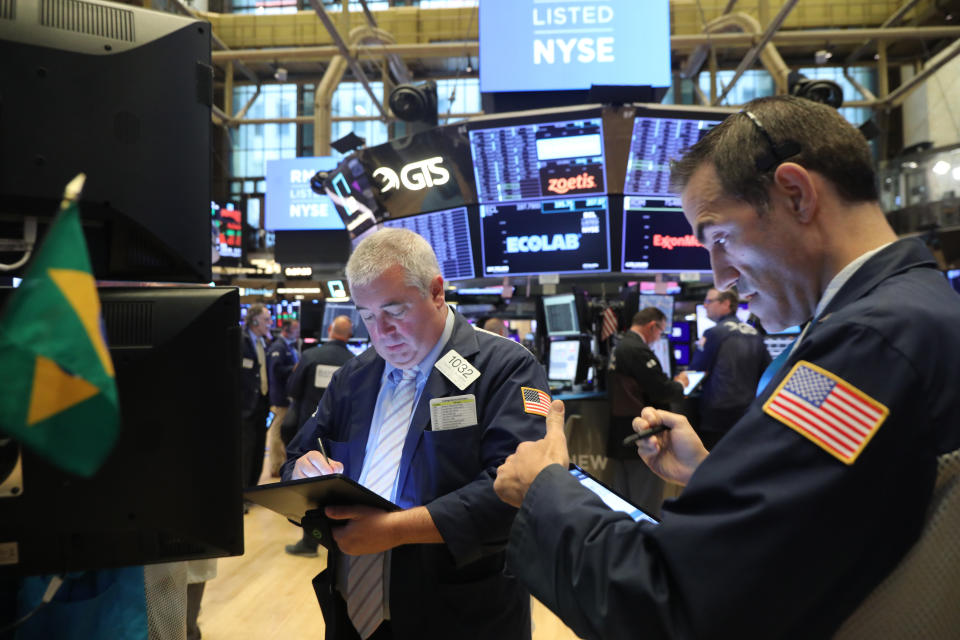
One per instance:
(254,323)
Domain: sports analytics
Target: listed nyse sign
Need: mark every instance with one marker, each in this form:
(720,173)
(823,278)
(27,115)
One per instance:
(530,45)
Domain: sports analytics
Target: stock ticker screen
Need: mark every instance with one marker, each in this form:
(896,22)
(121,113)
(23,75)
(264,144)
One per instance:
(543,160)
(227,220)
(569,235)
(656,237)
(654,143)
(448,232)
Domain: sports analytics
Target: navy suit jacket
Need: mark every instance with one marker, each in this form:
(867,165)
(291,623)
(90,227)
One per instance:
(456,589)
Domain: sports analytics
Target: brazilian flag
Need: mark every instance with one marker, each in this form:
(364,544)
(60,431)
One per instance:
(59,396)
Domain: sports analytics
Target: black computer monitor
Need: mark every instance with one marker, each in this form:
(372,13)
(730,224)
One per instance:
(527,237)
(560,315)
(680,332)
(122,94)
(345,308)
(448,232)
(658,238)
(226,219)
(656,140)
(529,158)
(171,488)
(563,359)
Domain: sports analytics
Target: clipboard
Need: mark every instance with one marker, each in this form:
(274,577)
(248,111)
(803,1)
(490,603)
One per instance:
(294,498)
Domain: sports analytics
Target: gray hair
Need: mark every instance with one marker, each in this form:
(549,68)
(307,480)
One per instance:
(388,247)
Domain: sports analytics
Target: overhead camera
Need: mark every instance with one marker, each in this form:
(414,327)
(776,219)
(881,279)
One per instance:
(827,92)
(280,74)
(415,103)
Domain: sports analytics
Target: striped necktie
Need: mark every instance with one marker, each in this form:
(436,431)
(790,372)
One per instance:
(365,577)
(262,357)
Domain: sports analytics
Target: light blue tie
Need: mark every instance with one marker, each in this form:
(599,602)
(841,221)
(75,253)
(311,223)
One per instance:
(774,367)
(365,577)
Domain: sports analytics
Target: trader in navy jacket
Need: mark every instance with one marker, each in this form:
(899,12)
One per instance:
(823,486)
(443,571)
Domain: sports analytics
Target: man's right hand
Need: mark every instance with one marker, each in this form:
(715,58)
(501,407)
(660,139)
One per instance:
(673,454)
(313,464)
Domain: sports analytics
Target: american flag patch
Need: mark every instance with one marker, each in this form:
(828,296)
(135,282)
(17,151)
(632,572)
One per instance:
(535,401)
(827,410)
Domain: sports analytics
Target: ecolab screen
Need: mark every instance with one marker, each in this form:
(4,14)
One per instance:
(290,202)
(552,236)
(538,45)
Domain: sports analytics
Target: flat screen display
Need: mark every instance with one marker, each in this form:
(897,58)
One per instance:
(539,160)
(333,309)
(680,332)
(657,237)
(536,45)
(560,312)
(654,143)
(564,355)
(953,275)
(612,499)
(545,236)
(227,221)
(290,203)
(681,353)
(448,232)
(426,171)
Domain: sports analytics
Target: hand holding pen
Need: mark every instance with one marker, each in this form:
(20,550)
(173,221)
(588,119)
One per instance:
(668,444)
(315,463)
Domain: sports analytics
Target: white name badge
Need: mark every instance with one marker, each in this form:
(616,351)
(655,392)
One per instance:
(453,412)
(247,363)
(457,369)
(321,379)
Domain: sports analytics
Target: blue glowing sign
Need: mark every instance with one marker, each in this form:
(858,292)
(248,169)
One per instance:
(538,45)
(291,203)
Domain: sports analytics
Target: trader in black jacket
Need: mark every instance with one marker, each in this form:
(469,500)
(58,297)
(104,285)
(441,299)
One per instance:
(638,373)
(734,356)
(254,392)
(305,388)
(282,356)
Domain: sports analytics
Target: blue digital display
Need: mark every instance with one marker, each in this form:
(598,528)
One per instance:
(448,232)
(654,143)
(545,236)
(538,160)
(658,238)
(290,203)
(548,45)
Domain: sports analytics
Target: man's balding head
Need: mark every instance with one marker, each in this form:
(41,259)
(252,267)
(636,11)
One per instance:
(340,329)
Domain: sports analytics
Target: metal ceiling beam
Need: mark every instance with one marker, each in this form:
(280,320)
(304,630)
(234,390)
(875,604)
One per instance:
(679,43)
(892,21)
(395,62)
(345,52)
(754,52)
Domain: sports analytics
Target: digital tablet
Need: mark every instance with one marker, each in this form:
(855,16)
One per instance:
(295,497)
(610,497)
(695,378)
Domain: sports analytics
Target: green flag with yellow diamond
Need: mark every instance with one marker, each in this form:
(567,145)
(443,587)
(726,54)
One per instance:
(59,397)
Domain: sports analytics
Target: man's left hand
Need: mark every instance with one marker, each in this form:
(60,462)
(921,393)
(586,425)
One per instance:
(518,471)
(364,530)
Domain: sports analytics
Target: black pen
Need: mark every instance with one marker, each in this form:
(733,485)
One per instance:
(323,452)
(633,437)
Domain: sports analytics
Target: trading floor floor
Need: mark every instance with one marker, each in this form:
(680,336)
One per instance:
(266,593)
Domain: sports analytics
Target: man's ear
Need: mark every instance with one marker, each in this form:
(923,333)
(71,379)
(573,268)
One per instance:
(797,186)
(436,288)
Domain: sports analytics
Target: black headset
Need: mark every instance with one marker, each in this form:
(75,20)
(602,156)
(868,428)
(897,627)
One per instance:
(778,153)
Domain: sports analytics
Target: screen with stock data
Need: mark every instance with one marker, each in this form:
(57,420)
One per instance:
(656,237)
(449,234)
(569,235)
(539,160)
(654,143)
